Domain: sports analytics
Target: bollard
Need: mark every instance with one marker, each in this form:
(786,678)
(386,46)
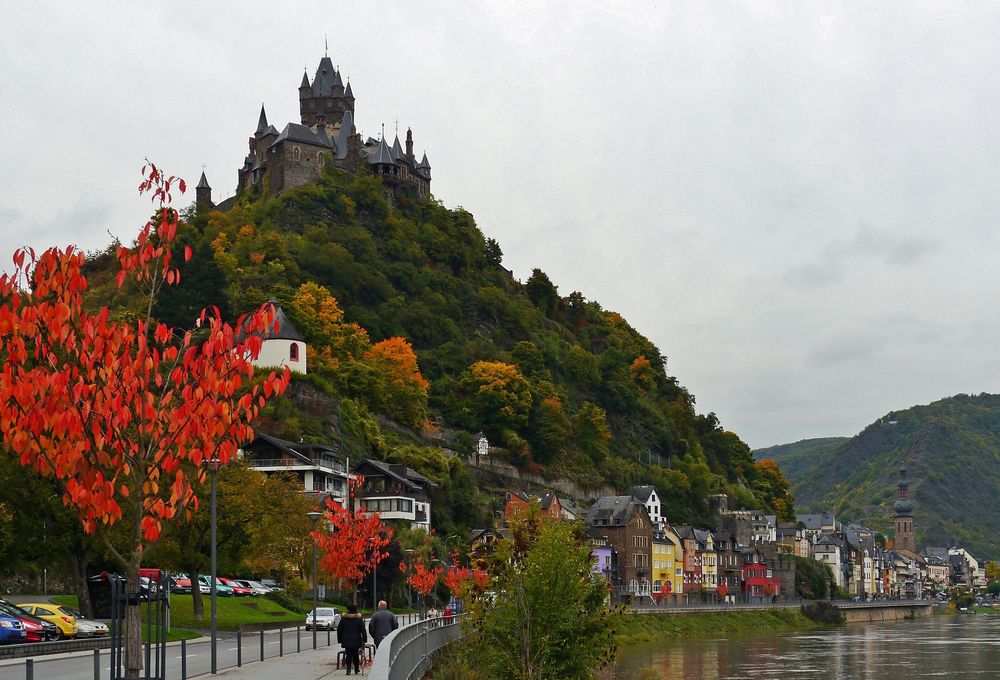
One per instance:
(281,640)
(327,636)
(97,664)
(239,649)
(184,659)
(262,644)
(298,639)
(29,669)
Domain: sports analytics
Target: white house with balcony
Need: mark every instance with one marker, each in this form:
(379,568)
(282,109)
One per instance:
(283,345)
(319,468)
(394,491)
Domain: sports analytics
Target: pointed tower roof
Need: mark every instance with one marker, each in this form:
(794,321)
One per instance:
(262,121)
(343,137)
(382,154)
(323,83)
(424,165)
(347,92)
(305,79)
(203,182)
(397,150)
(285,330)
(337,82)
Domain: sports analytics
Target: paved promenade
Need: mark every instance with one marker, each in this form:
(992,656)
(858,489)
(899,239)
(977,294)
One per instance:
(316,664)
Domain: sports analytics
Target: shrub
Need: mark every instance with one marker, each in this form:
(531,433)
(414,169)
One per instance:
(823,612)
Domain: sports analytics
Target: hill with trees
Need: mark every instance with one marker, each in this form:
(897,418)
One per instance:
(951,450)
(419,337)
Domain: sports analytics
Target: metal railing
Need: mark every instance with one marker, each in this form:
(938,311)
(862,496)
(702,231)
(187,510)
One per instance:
(406,653)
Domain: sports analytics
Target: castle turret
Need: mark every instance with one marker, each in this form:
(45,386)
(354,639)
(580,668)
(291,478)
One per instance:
(424,167)
(261,122)
(409,144)
(203,195)
(903,507)
(349,96)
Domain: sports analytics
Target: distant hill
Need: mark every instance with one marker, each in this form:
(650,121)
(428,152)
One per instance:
(952,453)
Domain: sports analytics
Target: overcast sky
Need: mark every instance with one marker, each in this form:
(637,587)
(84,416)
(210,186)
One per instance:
(796,201)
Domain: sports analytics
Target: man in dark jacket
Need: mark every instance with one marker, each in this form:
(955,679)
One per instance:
(382,623)
(352,637)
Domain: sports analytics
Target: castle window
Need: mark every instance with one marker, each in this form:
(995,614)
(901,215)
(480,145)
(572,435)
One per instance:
(293,352)
(296,153)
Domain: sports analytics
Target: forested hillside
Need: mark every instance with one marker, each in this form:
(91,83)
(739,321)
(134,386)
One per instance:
(951,449)
(415,328)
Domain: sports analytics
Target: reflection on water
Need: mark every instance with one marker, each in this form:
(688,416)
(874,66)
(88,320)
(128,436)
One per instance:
(966,646)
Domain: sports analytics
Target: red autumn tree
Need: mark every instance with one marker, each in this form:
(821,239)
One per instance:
(462,580)
(423,578)
(123,412)
(352,542)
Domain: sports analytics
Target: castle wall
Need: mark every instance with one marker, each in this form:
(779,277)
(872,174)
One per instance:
(287,173)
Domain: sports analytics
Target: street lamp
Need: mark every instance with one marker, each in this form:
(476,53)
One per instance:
(409,600)
(314,516)
(213,465)
(374,577)
(447,557)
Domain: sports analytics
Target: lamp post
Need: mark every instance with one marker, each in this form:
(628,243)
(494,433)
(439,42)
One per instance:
(374,579)
(409,600)
(213,465)
(314,516)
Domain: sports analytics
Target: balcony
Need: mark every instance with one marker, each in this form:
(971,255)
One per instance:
(272,464)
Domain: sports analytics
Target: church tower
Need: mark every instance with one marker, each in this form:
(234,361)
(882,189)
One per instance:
(904,515)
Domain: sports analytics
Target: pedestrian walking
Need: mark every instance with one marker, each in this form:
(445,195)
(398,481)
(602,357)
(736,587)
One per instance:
(382,623)
(352,637)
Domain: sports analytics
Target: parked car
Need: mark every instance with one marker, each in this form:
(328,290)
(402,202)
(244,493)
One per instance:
(87,627)
(11,630)
(272,584)
(327,618)
(180,584)
(239,589)
(65,622)
(220,588)
(256,588)
(36,629)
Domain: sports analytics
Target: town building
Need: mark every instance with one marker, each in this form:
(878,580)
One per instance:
(646,495)
(283,345)
(395,491)
(320,469)
(903,507)
(624,522)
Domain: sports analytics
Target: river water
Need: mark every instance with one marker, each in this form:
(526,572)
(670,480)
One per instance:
(961,646)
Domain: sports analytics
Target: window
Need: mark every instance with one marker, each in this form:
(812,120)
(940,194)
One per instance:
(634,586)
(293,352)
(296,153)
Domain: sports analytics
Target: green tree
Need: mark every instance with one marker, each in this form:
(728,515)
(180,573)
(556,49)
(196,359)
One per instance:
(591,432)
(545,615)
(495,397)
(992,572)
(542,292)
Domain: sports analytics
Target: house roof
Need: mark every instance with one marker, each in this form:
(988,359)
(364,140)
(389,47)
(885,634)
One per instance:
(300,450)
(423,164)
(642,492)
(816,522)
(326,79)
(612,511)
(284,330)
(381,155)
(407,476)
(203,182)
(262,121)
(346,127)
(294,132)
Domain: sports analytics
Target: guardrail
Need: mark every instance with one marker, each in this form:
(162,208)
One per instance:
(406,652)
(20,651)
(788,604)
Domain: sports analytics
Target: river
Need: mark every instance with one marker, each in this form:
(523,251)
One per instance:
(961,646)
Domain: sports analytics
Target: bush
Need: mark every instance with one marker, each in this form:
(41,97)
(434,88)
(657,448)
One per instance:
(823,612)
(286,601)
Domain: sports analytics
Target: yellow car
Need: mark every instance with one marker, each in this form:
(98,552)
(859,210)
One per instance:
(65,622)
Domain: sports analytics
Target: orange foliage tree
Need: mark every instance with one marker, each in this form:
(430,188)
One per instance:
(463,580)
(352,542)
(401,391)
(422,577)
(123,413)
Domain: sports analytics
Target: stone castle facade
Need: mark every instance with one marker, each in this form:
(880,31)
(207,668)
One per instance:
(326,136)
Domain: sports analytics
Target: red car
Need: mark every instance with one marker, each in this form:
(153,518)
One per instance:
(36,629)
(238,590)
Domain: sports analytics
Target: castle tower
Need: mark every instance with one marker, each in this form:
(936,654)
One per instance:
(326,98)
(903,508)
(409,145)
(203,195)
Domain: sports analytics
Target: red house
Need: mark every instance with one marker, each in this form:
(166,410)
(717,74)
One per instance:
(759,584)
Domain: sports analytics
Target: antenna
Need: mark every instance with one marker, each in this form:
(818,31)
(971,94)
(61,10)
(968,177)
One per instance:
(397,125)
(326,46)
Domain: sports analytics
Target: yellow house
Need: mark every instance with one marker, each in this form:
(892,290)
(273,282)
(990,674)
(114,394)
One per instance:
(709,561)
(668,567)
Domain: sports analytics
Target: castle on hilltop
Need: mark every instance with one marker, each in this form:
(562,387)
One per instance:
(326,137)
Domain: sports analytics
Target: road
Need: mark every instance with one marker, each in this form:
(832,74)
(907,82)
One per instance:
(80,665)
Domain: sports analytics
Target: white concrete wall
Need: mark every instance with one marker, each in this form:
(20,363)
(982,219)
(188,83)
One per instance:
(275,353)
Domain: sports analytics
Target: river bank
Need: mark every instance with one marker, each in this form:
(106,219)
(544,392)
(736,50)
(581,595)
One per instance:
(639,628)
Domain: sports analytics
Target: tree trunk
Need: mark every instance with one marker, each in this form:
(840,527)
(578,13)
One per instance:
(197,601)
(77,561)
(133,628)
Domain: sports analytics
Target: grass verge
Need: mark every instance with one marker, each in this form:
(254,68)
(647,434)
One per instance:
(648,627)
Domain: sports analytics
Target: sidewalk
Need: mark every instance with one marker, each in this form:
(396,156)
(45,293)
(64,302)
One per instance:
(313,664)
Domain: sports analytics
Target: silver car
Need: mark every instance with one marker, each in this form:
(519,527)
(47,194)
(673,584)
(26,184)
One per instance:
(87,627)
(327,618)
(256,588)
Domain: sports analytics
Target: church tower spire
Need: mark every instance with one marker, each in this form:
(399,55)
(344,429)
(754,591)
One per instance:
(903,508)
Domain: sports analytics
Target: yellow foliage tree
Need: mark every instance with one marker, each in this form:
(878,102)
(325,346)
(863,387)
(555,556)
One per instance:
(400,390)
